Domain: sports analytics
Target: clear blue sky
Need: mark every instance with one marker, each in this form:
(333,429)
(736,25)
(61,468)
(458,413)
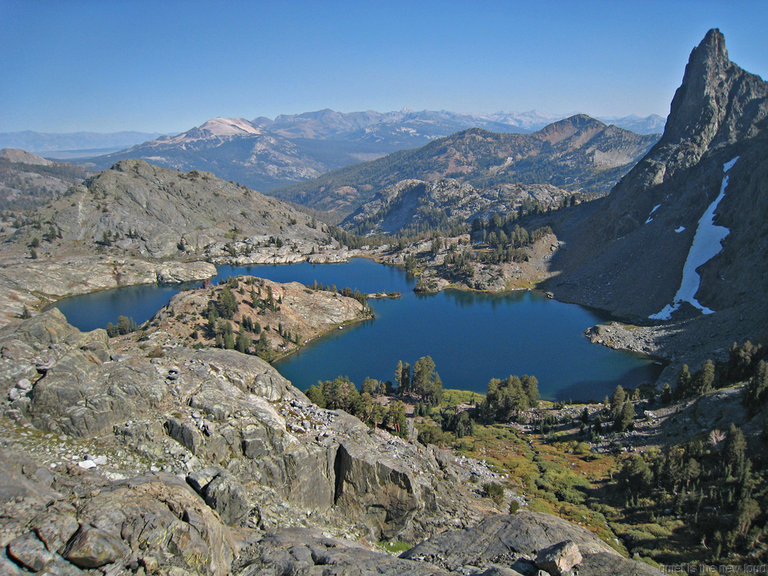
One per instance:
(168,65)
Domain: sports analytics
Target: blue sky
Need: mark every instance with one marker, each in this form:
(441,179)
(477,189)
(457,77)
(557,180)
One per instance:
(168,65)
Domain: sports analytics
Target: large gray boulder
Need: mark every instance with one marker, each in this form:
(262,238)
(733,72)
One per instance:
(308,553)
(92,547)
(516,541)
(91,523)
(560,559)
(222,492)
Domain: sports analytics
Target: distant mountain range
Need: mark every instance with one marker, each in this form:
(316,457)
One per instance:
(265,154)
(72,145)
(579,154)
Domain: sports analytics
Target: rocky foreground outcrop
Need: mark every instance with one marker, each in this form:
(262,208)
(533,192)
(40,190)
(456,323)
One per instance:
(523,543)
(120,459)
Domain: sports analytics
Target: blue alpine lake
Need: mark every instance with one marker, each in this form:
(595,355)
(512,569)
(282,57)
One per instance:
(471,337)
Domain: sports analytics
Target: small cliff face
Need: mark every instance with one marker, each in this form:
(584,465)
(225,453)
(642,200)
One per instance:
(629,253)
(411,204)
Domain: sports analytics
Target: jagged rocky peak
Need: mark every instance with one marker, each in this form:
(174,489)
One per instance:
(141,170)
(717,103)
(629,255)
(707,64)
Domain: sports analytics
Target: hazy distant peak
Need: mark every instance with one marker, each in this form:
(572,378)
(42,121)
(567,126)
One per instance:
(262,122)
(23,157)
(566,128)
(215,128)
(229,127)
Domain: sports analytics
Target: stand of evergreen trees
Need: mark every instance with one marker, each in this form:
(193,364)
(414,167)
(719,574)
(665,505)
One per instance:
(125,325)
(421,385)
(714,482)
(506,398)
(746,363)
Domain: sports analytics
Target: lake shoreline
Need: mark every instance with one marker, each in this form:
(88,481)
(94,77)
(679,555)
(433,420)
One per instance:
(473,335)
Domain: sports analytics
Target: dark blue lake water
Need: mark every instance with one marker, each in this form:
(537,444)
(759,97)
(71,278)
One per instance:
(471,337)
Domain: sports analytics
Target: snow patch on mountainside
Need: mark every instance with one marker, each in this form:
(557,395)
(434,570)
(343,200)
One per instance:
(224,128)
(650,216)
(229,127)
(707,242)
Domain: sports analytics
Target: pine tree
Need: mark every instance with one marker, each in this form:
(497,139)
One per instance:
(226,303)
(635,474)
(243,342)
(315,394)
(666,394)
(228,337)
(683,388)
(617,402)
(757,390)
(403,377)
(426,381)
(735,453)
(704,381)
(397,419)
(370,386)
(377,414)
(125,325)
(531,389)
(626,418)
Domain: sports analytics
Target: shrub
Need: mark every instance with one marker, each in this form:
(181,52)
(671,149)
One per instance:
(495,492)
